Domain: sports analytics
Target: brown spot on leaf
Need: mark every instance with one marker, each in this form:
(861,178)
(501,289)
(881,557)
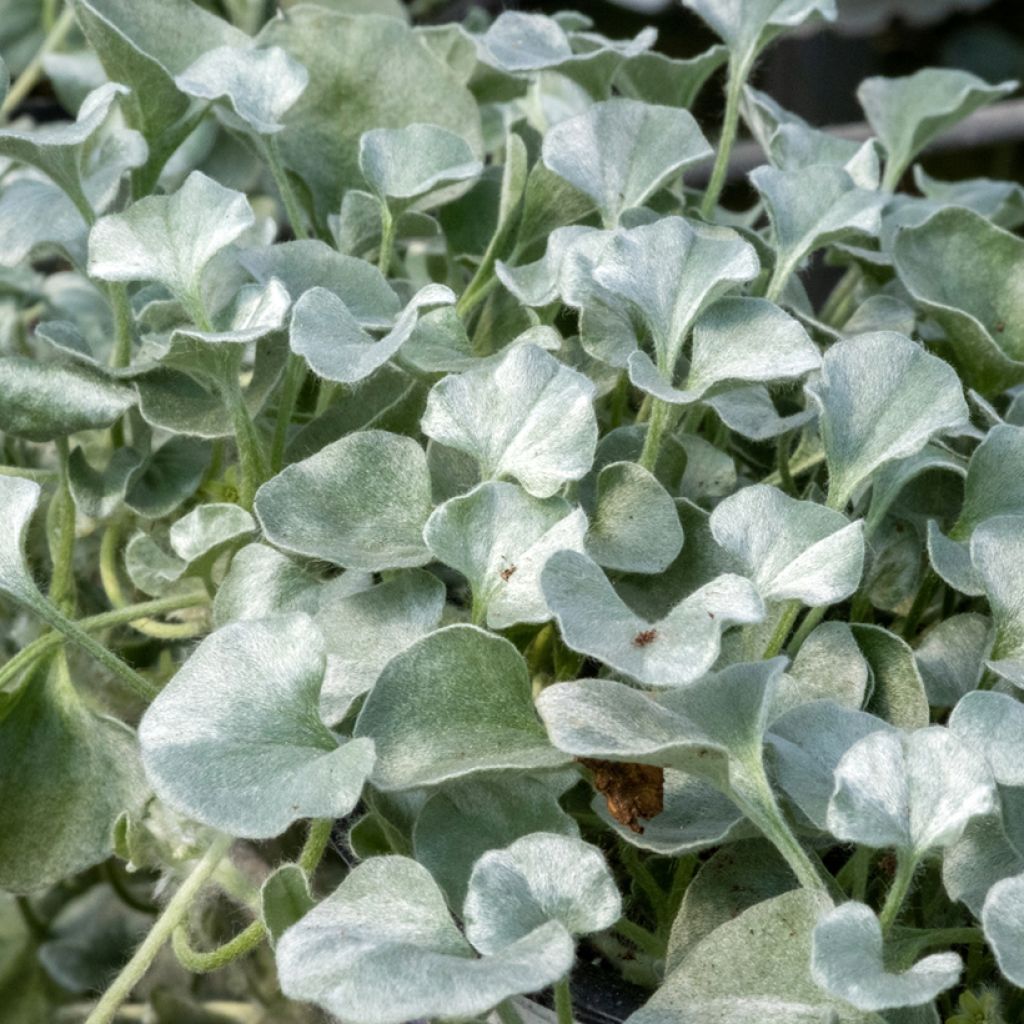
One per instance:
(1000,327)
(648,636)
(632,791)
(506,574)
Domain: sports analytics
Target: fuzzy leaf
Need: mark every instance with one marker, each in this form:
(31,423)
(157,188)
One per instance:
(66,774)
(366,629)
(383,949)
(170,239)
(454,703)
(675,82)
(360,502)
(43,400)
(235,739)
(993,725)
(328,336)
(882,397)
(846,960)
(969,296)
(907,113)
(635,527)
(528,417)
(284,899)
(913,792)
(997,552)
(620,152)
(1003,918)
(995,480)
(18,501)
(257,86)
(411,166)
(500,538)
(828,666)
(673,651)
(951,657)
(790,549)
(539,878)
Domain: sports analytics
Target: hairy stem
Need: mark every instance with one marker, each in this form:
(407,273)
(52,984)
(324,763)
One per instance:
(292,207)
(200,962)
(316,845)
(563,1001)
(60,528)
(387,238)
(782,629)
(905,868)
(163,927)
(734,90)
(294,378)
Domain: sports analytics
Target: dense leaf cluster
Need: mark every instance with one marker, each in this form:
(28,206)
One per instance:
(396,439)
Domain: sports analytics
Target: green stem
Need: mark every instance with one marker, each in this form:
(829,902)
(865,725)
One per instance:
(316,845)
(204,962)
(834,312)
(930,938)
(563,1002)
(294,378)
(33,922)
(640,937)
(853,876)
(662,420)
(777,283)
(387,238)
(106,1009)
(292,207)
(60,528)
(27,80)
(41,476)
(251,459)
(116,882)
(734,90)
(121,307)
(905,868)
(922,600)
(775,644)
(810,623)
(785,476)
(507,1013)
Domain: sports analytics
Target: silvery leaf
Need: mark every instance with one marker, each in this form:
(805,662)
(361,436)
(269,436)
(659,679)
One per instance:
(365,630)
(997,552)
(539,878)
(417,166)
(635,527)
(750,412)
(673,651)
(499,538)
(951,657)
(170,239)
(37,217)
(907,113)
(235,740)
(383,949)
(621,152)
(327,335)
(897,690)
(528,417)
(992,724)
(983,856)
(1002,202)
(675,82)
(882,397)
(1003,919)
(807,745)
(995,480)
(262,583)
(913,792)
(969,297)
(18,501)
(811,208)
(455,703)
(464,819)
(828,666)
(43,400)
(951,560)
(790,549)
(747,26)
(257,86)
(360,502)
(846,961)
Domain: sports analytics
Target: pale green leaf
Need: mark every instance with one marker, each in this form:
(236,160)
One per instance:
(528,417)
(847,961)
(37,218)
(1003,918)
(361,502)
(673,651)
(262,583)
(672,81)
(18,501)
(997,552)
(951,657)
(284,899)
(828,666)
(993,725)
(235,739)
(455,703)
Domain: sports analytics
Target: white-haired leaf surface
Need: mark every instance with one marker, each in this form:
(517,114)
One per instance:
(1003,919)
(383,949)
(846,960)
(997,553)
(528,417)
(235,739)
(992,724)
(360,502)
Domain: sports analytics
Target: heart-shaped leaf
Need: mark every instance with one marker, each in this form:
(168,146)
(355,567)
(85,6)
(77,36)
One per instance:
(913,792)
(528,417)
(66,774)
(673,651)
(366,629)
(360,502)
(828,666)
(454,703)
(997,553)
(256,87)
(539,878)
(235,739)
(329,337)
(1003,918)
(383,949)
(969,296)
(500,538)
(790,549)
(882,397)
(416,166)
(907,113)
(170,239)
(846,961)
(619,153)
